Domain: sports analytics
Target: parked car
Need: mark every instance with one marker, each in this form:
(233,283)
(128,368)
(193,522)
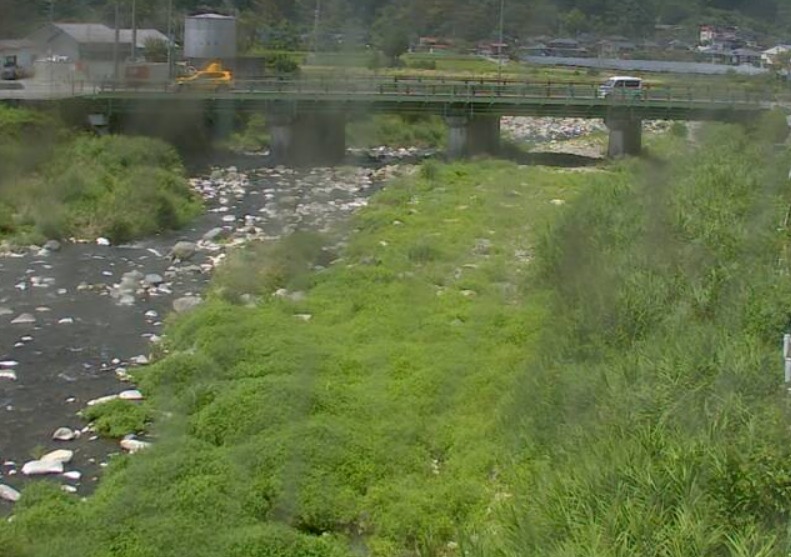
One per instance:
(621,87)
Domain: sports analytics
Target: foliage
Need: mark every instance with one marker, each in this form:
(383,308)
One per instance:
(654,422)
(155,50)
(396,130)
(118,418)
(371,425)
(118,187)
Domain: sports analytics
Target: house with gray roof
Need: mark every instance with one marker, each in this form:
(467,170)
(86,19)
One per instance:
(89,42)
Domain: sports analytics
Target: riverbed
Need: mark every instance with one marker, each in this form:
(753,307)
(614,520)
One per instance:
(77,318)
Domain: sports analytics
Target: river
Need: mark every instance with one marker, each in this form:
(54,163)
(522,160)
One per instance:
(86,333)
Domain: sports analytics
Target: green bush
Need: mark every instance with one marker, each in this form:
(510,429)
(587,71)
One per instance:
(119,187)
(397,131)
(118,418)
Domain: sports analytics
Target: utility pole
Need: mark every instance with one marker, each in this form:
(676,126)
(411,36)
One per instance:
(134,30)
(116,42)
(500,44)
(316,18)
(51,11)
(170,39)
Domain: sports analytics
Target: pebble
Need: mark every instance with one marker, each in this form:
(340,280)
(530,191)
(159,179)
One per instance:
(68,488)
(102,242)
(9,363)
(74,475)
(52,245)
(66,321)
(8,374)
(5,311)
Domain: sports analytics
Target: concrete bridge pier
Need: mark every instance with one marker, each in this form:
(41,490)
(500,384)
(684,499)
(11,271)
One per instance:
(626,136)
(472,135)
(301,139)
(221,119)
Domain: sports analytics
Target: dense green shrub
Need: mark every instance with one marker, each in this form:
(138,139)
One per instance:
(118,187)
(118,418)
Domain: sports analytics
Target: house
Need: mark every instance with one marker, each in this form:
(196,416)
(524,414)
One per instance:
(745,56)
(430,44)
(711,35)
(770,56)
(90,42)
(566,48)
(17,52)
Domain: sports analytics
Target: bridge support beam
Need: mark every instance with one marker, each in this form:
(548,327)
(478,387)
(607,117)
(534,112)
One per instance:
(303,139)
(626,136)
(472,135)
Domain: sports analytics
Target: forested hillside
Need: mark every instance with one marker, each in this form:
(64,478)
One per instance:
(466,20)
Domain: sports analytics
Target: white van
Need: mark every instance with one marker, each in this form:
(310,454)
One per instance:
(621,86)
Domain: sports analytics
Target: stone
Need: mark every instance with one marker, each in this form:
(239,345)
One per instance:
(24,319)
(52,245)
(8,374)
(64,434)
(102,242)
(63,456)
(133,445)
(131,394)
(140,360)
(5,311)
(73,475)
(185,304)
(8,493)
(153,279)
(101,400)
(66,321)
(8,363)
(183,250)
(41,468)
(214,234)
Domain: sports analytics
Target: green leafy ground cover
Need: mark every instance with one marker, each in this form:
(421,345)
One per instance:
(484,372)
(59,183)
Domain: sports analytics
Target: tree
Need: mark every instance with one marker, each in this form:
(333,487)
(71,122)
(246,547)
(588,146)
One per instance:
(390,34)
(155,50)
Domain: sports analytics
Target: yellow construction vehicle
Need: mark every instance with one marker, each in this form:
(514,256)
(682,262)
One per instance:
(211,78)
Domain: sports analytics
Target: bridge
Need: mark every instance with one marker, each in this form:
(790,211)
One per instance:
(306,116)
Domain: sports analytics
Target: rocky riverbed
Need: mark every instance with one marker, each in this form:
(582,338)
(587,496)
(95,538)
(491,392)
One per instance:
(77,317)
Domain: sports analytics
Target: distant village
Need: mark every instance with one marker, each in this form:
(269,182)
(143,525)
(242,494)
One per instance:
(715,44)
(92,49)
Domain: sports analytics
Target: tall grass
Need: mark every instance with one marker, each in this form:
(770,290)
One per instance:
(654,422)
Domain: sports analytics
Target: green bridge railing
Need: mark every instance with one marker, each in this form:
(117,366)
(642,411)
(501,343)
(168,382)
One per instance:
(461,90)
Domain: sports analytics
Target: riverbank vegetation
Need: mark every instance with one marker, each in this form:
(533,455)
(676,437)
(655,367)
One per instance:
(496,360)
(60,183)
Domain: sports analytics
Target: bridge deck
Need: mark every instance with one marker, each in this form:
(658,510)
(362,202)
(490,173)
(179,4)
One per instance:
(439,96)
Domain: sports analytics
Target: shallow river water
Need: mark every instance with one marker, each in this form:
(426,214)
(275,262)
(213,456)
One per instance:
(83,334)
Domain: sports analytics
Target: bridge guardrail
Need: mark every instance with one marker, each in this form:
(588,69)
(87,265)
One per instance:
(475,89)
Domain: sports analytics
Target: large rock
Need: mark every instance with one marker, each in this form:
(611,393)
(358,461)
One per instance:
(63,456)
(41,468)
(24,319)
(183,250)
(133,445)
(8,493)
(64,434)
(52,245)
(185,304)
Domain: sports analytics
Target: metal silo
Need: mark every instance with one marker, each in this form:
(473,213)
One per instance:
(209,36)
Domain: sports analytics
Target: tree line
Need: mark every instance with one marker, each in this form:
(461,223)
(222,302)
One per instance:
(357,21)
